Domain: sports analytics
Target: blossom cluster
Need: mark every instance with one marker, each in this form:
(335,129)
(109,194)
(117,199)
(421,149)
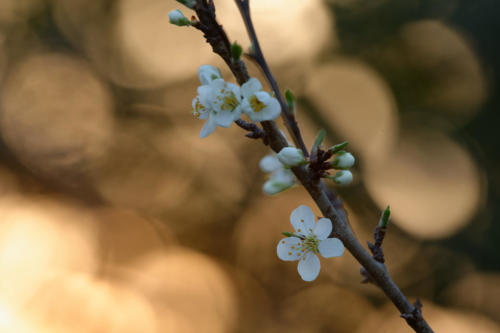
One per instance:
(221,103)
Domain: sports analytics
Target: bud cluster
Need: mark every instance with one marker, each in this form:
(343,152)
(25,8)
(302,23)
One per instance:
(320,161)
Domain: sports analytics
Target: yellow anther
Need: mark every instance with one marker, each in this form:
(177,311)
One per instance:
(256,104)
(289,253)
(198,108)
(230,102)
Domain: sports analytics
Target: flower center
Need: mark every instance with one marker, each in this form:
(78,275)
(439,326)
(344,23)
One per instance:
(228,100)
(256,104)
(311,243)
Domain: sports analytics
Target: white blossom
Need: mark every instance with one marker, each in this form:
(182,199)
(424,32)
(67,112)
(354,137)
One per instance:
(257,104)
(219,103)
(344,160)
(310,238)
(343,177)
(176,17)
(280,178)
(208,73)
(291,156)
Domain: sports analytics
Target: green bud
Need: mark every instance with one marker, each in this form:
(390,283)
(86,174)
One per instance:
(384,219)
(290,98)
(236,51)
(338,147)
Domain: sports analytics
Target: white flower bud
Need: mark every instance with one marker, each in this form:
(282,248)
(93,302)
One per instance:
(208,73)
(291,156)
(270,187)
(343,177)
(270,163)
(176,17)
(344,160)
(279,181)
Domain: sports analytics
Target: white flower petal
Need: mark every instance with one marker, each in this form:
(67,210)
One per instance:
(270,163)
(289,249)
(271,110)
(302,219)
(245,105)
(323,228)
(250,87)
(204,115)
(234,88)
(217,84)
(309,267)
(331,247)
(207,74)
(209,127)
(205,94)
(224,118)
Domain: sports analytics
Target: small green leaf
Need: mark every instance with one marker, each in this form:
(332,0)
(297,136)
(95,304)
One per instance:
(335,149)
(236,51)
(319,140)
(384,219)
(290,98)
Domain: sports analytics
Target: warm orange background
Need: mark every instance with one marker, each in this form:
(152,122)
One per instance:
(116,217)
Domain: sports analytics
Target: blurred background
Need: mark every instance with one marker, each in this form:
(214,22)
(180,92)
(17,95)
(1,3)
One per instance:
(116,217)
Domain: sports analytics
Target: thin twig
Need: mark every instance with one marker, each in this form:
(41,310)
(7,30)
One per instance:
(254,131)
(258,56)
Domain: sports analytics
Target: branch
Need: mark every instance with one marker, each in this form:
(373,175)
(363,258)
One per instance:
(257,55)
(377,271)
(254,131)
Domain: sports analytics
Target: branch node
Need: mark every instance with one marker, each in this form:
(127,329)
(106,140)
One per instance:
(254,131)
(415,315)
(366,276)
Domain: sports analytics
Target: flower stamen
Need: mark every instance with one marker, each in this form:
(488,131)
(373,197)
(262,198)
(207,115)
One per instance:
(256,105)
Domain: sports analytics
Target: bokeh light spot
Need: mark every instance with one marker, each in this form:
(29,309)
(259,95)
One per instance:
(431,183)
